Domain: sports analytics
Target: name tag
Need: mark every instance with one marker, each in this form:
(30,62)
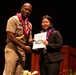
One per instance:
(20,24)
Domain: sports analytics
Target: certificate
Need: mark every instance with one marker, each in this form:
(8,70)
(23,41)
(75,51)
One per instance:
(38,40)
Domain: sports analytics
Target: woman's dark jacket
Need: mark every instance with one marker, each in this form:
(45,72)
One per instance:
(54,47)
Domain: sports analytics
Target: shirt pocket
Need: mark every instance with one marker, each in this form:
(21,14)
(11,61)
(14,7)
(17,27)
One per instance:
(19,30)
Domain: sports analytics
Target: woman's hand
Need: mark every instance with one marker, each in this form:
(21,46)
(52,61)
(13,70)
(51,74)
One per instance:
(45,42)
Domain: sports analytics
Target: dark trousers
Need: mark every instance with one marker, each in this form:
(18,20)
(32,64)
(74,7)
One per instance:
(49,68)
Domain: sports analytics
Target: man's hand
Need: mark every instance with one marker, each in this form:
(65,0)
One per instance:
(27,49)
(31,41)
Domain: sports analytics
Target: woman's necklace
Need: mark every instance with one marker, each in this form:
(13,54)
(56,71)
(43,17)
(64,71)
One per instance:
(48,32)
(26,25)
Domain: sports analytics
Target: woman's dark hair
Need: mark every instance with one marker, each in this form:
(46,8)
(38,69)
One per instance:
(48,17)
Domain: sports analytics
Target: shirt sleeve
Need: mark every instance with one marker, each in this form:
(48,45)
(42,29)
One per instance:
(11,25)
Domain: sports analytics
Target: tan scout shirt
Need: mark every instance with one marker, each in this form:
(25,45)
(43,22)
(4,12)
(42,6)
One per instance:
(13,25)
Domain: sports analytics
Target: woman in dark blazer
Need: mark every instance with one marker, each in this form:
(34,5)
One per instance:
(50,57)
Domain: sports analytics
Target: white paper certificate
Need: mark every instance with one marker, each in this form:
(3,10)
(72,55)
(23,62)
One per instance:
(38,40)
